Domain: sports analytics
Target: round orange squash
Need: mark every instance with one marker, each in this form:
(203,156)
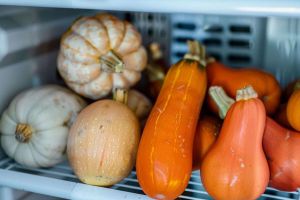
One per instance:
(103,142)
(293,108)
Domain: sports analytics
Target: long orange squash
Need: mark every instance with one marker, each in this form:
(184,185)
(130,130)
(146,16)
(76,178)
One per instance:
(293,108)
(164,160)
(235,167)
(206,134)
(231,80)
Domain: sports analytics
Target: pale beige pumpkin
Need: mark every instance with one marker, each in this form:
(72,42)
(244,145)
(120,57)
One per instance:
(103,142)
(93,52)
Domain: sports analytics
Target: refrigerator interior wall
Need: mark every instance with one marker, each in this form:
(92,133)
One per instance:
(29,39)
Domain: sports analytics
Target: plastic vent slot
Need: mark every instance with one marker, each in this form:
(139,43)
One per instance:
(213,29)
(234,41)
(240,29)
(239,43)
(153,28)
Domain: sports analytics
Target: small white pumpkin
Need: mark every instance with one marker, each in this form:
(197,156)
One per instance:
(34,128)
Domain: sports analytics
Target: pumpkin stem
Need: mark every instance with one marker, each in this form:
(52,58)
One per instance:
(154,71)
(23,133)
(222,100)
(297,86)
(246,93)
(196,52)
(112,62)
(155,51)
(120,95)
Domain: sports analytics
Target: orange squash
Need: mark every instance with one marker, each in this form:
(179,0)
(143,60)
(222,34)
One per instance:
(231,80)
(293,108)
(235,167)
(282,148)
(164,160)
(206,134)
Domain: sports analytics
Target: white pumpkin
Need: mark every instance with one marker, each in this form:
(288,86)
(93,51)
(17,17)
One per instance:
(34,128)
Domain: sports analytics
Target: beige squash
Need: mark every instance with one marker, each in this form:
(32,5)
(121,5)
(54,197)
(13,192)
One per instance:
(103,142)
(34,128)
(139,104)
(95,50)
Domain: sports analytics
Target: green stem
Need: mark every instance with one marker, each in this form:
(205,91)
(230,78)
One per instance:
(112,61)
(120,95)
(222,100)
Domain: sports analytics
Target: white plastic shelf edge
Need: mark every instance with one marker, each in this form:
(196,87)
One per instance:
(229,7)
(62,188)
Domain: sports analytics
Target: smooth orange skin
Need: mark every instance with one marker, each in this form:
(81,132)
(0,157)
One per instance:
(282,148)
(266,86)
(235,167)
(293,110)
(206,134)
(164,159)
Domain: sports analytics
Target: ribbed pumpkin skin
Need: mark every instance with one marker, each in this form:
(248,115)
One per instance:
(164,160)
(293,110)
(206,134)
(282,148)
(91,39)
(231,80)
(235,167)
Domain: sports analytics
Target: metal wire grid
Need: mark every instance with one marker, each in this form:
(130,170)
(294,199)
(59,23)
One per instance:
(194,191)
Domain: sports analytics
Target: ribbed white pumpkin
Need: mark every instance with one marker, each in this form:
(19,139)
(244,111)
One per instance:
(34,128)
(93,52)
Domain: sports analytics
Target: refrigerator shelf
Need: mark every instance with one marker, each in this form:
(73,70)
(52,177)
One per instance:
(60,181)
(230,7)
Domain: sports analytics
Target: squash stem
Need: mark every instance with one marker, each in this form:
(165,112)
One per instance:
(246,93)
(23,133)
(120,95)
(222,100)
(112,62)
(196,52)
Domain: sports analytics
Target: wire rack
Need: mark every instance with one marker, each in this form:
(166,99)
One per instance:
(62,182)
